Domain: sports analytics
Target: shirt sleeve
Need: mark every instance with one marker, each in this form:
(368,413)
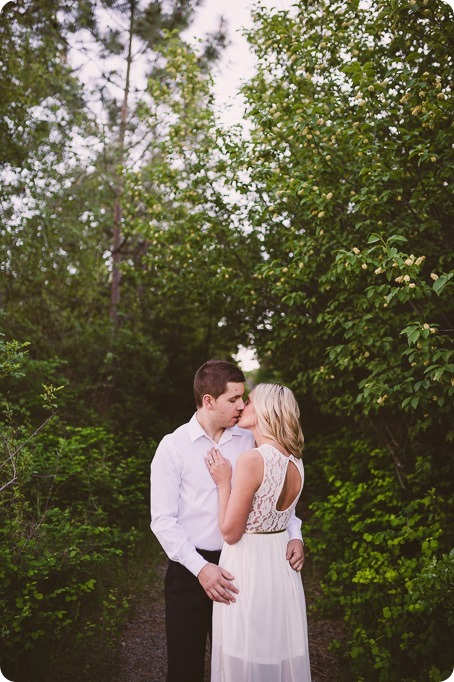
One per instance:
(164,495)
(294,528)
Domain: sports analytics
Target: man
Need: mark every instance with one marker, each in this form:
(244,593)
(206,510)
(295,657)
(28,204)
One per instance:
(184,516)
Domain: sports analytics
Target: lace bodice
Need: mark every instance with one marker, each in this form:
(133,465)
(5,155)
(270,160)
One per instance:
(264,516)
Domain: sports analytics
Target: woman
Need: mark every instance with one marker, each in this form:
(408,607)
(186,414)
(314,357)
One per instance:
(262,636)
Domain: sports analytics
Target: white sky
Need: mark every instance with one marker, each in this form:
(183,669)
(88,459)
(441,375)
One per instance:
(237,63)
(247,359)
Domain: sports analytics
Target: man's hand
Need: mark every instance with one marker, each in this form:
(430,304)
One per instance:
(217,583)
(295,554)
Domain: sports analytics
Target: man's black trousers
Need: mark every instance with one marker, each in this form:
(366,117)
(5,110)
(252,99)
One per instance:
(188,621)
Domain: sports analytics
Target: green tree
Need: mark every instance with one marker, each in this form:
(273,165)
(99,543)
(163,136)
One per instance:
(40,99)
(354,139)
(179,208)
(63,241)
(118,92)
(346,175)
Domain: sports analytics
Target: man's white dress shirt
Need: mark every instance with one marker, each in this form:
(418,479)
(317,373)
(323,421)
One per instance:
(184,497)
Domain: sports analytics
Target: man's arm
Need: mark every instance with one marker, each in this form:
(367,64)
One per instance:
(295,546)
(164,490)
(164,496)
(295,554)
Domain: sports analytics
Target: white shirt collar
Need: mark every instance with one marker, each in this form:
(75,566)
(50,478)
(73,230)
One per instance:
(196,431)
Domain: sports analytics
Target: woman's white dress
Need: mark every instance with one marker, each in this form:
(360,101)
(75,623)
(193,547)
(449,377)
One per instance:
(262,637)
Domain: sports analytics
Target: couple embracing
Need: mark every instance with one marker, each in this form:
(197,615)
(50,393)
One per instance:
(229,480)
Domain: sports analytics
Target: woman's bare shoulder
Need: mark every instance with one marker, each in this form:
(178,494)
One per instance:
(250,460)
(250,467)
(252,455)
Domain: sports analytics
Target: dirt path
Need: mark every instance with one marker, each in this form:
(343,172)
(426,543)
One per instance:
(143,648)
(143,644)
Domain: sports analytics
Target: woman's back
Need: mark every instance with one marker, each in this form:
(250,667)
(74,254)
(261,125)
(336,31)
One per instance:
(276,498)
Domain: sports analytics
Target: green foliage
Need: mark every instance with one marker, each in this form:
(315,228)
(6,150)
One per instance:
(73,508)
(404,369)
(57,263)
(330,158)
(40,97)
(177,208)
(12,355)
(386,567)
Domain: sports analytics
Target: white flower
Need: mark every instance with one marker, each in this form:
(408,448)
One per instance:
(434,276)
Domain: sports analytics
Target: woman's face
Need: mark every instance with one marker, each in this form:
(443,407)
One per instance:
(247,419)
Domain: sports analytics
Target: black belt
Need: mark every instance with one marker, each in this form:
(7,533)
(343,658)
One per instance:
(211,555)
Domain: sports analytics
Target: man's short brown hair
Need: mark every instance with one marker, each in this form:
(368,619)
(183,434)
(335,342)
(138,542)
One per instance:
(212,378)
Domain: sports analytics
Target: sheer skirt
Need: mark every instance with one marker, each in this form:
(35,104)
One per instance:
(262,637)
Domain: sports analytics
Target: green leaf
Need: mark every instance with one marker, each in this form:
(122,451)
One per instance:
(441,282)
(397,238)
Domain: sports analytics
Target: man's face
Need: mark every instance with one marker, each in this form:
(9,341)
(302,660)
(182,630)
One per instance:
(228,407)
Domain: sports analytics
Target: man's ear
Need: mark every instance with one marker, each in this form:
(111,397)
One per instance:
(207,401)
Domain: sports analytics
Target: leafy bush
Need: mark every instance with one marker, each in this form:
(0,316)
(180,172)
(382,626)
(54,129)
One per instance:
(73,505)
(388,569)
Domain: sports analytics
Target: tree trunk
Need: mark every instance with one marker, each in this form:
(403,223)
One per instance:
(117,239)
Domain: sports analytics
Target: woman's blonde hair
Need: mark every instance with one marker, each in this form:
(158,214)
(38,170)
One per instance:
(277,416)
